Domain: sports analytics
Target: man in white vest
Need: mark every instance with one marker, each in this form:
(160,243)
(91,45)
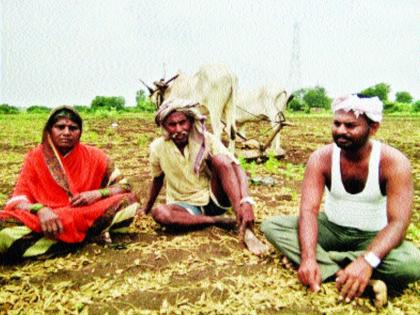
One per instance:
(369,195)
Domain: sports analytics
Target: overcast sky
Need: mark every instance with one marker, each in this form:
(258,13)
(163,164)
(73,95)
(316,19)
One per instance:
(68,51)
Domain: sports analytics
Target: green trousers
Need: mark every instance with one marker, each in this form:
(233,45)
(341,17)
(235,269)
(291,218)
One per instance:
(339,245)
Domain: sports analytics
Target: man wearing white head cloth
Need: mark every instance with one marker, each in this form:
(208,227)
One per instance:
(202,177)
(369,194)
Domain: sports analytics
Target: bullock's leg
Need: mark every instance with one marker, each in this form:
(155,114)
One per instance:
(216,123)
(231,136)
(229,185)
(275,145)
(217,126)
(230,116)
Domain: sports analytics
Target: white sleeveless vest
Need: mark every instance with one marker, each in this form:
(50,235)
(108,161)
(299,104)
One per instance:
(365,210)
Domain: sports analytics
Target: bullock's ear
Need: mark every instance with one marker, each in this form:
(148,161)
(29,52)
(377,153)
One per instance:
(278,97)
(291,97)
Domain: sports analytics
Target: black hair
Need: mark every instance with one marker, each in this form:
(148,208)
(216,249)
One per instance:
(361,95)
(64,113)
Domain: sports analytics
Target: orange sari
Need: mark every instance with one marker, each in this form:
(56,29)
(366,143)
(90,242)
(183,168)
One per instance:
(51,179)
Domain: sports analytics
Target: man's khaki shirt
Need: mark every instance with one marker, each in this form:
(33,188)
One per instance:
(182,183)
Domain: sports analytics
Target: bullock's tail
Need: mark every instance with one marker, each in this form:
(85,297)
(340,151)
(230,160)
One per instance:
(232,133)
(230,108)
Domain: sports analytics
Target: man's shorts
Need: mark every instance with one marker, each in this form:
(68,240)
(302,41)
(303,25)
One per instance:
(211,209)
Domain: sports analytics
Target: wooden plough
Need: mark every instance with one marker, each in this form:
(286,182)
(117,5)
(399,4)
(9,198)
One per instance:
(252,150)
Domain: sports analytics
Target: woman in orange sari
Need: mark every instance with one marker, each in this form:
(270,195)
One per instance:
(67,192)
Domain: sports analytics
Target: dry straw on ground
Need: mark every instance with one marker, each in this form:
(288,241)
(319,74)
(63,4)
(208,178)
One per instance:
(152,271)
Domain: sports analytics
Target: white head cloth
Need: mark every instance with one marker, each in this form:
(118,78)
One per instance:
(188,107)
(372,107)
(197,134)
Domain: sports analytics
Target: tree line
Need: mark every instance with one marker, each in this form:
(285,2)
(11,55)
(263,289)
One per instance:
(98,104)
(312,99)
(305,100)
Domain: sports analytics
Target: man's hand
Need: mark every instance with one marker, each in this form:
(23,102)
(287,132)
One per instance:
(245,219)
(352,281)
(309,274)
(50,223)
(85,198)
(141,212)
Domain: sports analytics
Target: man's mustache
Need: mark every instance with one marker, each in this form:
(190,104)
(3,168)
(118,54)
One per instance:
(177,134)
(341,137)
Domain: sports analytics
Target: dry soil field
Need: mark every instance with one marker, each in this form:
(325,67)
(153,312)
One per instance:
(197,272)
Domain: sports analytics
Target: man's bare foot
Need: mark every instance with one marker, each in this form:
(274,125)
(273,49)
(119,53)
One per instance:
(286,262)
(380,292)
(253,244)
(223,222)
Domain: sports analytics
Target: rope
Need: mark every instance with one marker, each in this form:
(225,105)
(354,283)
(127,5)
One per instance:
(280,119)
(244,110)
(279,116)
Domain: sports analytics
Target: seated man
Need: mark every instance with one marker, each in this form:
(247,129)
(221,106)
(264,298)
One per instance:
(202,177)
(367,209)
(66,192)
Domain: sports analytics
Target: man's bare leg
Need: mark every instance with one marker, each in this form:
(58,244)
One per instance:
(229,185)
(176,216)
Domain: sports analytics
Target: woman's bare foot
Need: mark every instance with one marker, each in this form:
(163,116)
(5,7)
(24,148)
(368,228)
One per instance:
(253,244)
(102,239)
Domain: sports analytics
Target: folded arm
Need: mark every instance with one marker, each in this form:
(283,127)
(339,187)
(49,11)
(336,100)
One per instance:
(113,183)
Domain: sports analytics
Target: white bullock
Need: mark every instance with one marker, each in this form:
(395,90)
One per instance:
(213,86)
(265,103)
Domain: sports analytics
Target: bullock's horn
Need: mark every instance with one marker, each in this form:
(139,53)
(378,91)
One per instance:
(164,69)
(171,79)
(151,91)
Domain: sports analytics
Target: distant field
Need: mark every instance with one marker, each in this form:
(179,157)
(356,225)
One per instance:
(151,271)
